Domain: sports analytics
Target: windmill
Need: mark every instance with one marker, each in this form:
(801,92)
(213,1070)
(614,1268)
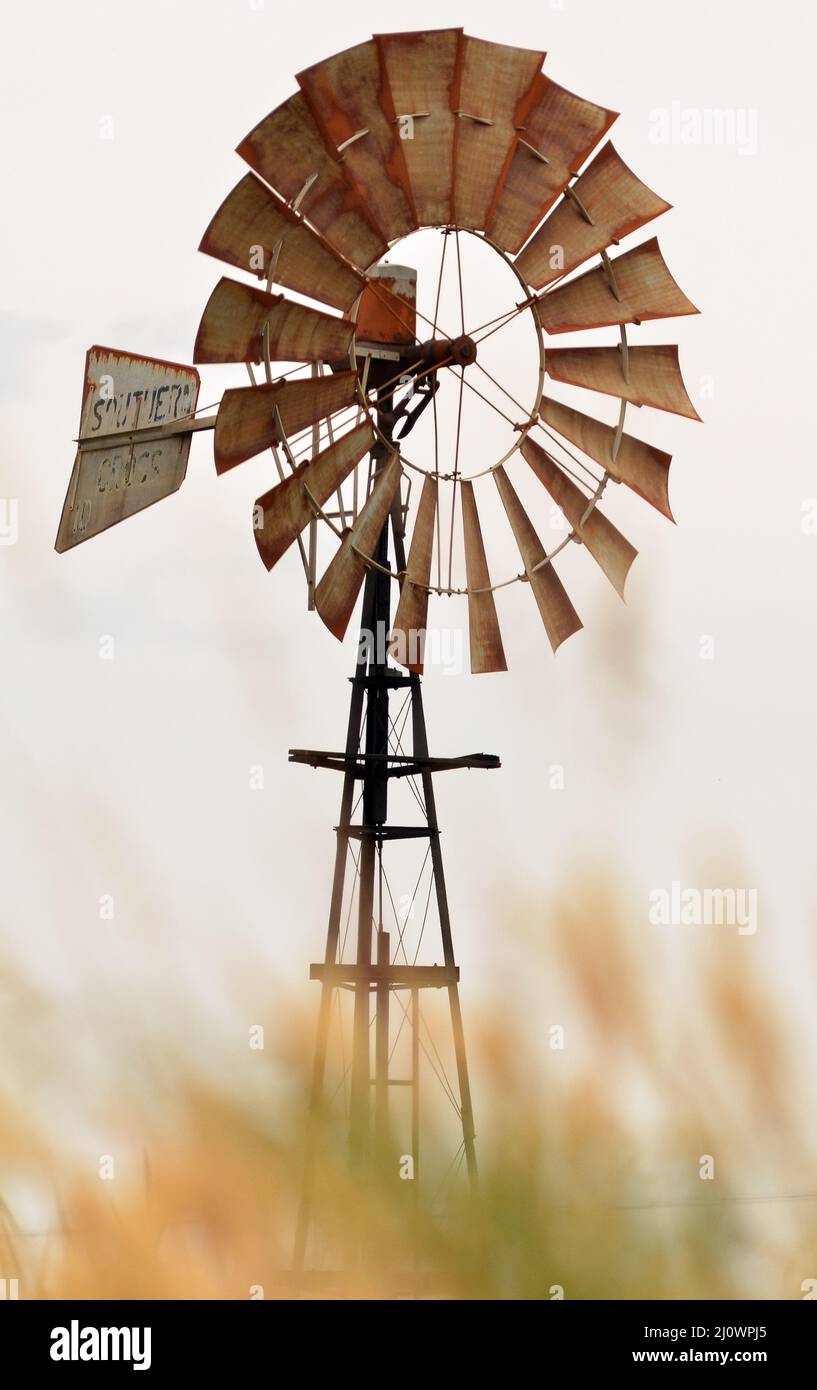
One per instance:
(403,132)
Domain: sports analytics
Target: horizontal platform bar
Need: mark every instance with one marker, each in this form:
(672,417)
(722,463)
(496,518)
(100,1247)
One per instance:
(395,765)
(390,678)
(401,976)
(385,832)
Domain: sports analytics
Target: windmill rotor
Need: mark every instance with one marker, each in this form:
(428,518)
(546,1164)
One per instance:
(397,135)
(437,130)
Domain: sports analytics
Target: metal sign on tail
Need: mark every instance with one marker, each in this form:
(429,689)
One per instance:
(135,429)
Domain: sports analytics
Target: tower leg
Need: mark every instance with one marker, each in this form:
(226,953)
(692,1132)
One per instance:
(315,1112)
(381,1091)
(361,1074)
(375,810)
(421,751)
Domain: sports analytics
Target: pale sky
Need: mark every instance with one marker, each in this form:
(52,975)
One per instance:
(131,777)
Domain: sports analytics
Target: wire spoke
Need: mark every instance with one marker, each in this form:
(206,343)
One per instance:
(500,319)
(440,283)
(436,419)
(477,392)
(542,426)
(455,490)
(519,309)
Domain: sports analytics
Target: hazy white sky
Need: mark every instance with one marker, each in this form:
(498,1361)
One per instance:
(131,777)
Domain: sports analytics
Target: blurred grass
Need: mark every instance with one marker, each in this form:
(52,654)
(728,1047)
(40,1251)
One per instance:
(589,1154)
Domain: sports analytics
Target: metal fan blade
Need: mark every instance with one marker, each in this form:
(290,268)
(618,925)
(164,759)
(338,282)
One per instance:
(288,150)
(641,466)
(485,639)
(418,97)
(612,553)
(254,230)
(246,421)
(336,594)
(494,89)
(644,289)
(235,315)
(288,507)
(558,614)
(409,629)
(558,133)
(653,375)
(616,202)
(343,96)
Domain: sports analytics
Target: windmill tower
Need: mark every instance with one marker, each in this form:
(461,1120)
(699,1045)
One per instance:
(399,133)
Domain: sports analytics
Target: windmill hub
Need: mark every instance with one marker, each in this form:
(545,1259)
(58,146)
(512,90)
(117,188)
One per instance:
(454,352)
(462,350)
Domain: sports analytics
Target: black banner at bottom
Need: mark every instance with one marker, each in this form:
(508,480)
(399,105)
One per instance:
(160,1339)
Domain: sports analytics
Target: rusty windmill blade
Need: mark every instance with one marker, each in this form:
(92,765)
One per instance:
(611,551)
(247,421)
(421,72)
(557,612)
(603,206)
(633,287)
(288,150)
(290,506)
(653,375)
(342,93)
(236,315)
(495,85)
(336,594)
(642,467)
(255,231)
(485,638)
(560,130)
(407,643)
